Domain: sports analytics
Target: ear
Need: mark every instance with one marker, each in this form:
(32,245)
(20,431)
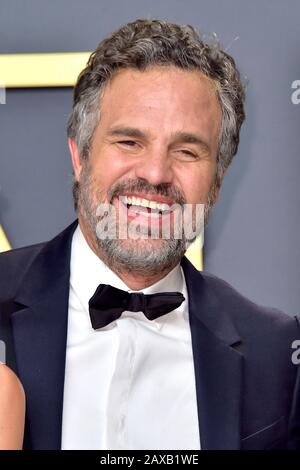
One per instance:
(75,157)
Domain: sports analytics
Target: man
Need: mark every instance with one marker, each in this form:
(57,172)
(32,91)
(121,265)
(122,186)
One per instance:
(119,342)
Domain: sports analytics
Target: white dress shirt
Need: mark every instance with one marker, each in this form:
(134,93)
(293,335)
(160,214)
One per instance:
(131,384)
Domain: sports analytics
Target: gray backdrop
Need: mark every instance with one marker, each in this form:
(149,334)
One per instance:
(252,239)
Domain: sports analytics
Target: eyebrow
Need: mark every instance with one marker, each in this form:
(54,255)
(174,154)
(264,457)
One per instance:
(178,137)
(126,131)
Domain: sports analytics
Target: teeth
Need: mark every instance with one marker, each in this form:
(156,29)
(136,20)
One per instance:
(137,201)
(144,203)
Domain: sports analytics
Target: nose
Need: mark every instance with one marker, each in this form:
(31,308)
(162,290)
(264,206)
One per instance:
(155,167)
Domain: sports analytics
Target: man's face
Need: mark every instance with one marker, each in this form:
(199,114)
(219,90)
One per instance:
(157,140)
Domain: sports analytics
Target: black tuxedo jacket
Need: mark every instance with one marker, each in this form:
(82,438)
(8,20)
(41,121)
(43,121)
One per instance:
(242,352)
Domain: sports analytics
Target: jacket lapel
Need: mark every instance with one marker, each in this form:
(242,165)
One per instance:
(40,331)
(218,366)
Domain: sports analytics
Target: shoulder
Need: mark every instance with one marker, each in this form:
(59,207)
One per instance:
(13,264)
(34,260)
(247,314)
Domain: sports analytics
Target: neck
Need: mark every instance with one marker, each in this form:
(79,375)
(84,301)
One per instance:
(139,281)
(134,281)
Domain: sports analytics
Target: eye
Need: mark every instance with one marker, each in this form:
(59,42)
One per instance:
(188,153)
(129,143)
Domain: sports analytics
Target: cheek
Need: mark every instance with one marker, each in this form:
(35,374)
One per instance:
(197,183)
(111,163)
(107,168)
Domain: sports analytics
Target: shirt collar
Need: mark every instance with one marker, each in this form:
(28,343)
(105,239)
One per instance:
(88,271)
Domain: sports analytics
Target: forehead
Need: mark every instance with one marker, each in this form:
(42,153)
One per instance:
(161,96)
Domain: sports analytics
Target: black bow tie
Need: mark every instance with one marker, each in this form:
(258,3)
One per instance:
(108,303)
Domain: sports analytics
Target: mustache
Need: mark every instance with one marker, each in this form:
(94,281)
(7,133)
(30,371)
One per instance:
(141,185)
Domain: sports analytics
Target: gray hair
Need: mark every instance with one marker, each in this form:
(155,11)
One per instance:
(144,43)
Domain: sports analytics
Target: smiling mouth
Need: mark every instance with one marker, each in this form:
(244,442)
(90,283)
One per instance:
(145,207)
